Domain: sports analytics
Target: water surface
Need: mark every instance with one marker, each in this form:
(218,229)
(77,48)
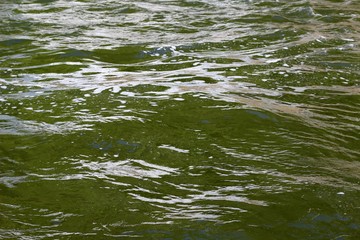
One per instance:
(204,119)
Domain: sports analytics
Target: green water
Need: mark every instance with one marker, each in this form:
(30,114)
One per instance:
(197,119)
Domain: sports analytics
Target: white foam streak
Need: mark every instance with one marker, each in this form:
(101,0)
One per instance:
(165,146)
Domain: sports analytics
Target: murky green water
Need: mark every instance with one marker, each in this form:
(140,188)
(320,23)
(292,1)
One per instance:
(204,119)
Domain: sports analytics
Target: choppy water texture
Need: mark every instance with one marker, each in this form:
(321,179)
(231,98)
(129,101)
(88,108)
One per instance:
(204,119)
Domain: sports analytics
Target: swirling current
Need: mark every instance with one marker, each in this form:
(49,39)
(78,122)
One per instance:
(179,119)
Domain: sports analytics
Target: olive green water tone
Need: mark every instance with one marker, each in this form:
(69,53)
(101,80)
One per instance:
(180,119)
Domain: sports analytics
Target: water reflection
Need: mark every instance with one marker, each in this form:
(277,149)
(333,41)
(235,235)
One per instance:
(128,168)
